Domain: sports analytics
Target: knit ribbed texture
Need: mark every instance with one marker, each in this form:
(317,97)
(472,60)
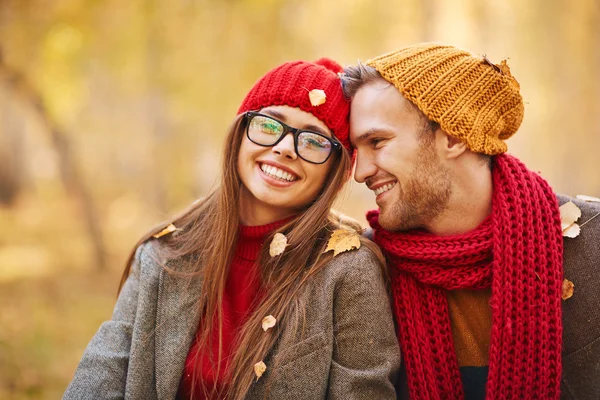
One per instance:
(289,85)
(472,99)
(518,252)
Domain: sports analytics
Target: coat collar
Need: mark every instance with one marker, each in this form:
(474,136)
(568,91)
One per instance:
(177,318)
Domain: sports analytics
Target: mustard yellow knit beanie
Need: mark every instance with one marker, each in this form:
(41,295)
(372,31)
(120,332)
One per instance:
(471,98)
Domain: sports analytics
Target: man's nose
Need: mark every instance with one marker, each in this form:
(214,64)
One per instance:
(365,167)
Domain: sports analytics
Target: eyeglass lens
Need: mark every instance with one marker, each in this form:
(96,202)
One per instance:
(311,146)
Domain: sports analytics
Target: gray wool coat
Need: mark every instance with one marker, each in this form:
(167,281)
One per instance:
(347,349)
(581,313)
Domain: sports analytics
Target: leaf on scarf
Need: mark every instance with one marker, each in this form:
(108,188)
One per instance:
(317,97)
(572,231)
(589,199)
(342,240)
(268,322)
(169,229)
(569,213)
(277,244)
(259,369)
(567,289)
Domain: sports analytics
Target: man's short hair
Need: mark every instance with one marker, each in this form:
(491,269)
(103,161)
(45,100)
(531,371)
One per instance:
(356,76)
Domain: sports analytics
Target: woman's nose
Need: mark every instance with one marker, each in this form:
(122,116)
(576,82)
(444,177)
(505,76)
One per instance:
(285,148)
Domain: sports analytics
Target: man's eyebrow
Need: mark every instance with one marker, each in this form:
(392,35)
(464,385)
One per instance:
(371,132)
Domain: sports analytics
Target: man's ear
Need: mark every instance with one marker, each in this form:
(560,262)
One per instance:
(449,146)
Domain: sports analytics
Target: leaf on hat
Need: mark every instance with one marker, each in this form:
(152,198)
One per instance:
(491,64)
(268,322)
(278,244)
(317,97)
(569,214)
(259,369)
(589,199)
(504,68)
(169,229)
(567,289)
(342,240)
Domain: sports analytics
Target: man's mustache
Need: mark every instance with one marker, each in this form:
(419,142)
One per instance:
(380,177)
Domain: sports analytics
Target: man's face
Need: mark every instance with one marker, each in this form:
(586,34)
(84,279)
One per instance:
(397,158)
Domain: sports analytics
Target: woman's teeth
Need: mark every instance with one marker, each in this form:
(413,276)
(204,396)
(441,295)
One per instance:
(277,173)
(384,188)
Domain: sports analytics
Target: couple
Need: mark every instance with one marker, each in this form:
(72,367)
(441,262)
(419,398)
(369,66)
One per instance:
(244,301)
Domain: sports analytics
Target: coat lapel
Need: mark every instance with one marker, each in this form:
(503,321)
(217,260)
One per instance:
(177,317)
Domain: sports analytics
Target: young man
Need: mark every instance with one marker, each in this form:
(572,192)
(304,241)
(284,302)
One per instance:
(473,238)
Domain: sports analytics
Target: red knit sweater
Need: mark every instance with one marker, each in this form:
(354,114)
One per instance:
(241,290)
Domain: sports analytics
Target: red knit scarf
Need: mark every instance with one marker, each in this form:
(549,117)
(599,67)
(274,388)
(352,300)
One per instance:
(518,252)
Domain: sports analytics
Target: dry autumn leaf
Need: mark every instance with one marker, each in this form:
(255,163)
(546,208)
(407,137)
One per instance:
(589,199)
(342,240)
(259,369)
(569,214)
(268,322)
(567,289)
(277,244)
(317,97)
(572,231)
(169,229)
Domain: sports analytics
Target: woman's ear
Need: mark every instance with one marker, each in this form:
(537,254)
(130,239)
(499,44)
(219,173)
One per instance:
(449,146)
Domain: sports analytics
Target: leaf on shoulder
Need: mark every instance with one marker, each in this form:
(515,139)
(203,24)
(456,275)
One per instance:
(342,240)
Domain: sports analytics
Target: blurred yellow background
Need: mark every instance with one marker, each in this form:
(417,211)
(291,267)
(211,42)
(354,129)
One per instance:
(112,115)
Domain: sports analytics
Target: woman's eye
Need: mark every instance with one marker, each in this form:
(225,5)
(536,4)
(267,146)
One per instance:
(270,128)
(314,143)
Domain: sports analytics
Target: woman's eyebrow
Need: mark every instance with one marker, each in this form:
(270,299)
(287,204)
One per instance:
(275,114)
(309,127)
(316,129)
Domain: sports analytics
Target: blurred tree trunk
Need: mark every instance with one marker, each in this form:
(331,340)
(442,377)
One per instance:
(74,185)
(12,169)
(156,112)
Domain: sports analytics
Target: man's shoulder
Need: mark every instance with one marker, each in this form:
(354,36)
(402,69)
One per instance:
(588,208)
(581,262)
(583,251)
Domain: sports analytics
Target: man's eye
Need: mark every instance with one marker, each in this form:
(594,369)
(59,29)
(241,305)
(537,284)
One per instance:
(375,142)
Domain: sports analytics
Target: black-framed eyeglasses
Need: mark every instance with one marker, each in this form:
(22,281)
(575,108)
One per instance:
(267,131)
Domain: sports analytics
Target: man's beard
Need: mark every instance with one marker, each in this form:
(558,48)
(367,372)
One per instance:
(422,198)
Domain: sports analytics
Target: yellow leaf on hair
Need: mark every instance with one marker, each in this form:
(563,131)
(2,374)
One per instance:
(343,240)
(268,322)
(569,213)
(589,199)
(567,289)
(259,369)
(169,229)
(277,244)
(317,97)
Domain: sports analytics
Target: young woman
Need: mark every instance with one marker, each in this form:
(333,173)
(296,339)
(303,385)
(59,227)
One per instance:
(216,309)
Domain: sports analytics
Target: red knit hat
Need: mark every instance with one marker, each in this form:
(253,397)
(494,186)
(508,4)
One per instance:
(290,84)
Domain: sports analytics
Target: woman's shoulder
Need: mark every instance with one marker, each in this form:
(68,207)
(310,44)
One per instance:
(356,265)
(147,259)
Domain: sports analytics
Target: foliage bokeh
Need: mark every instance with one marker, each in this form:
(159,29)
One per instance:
(112,115)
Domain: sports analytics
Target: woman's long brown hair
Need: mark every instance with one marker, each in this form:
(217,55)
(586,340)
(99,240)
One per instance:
(207,242)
